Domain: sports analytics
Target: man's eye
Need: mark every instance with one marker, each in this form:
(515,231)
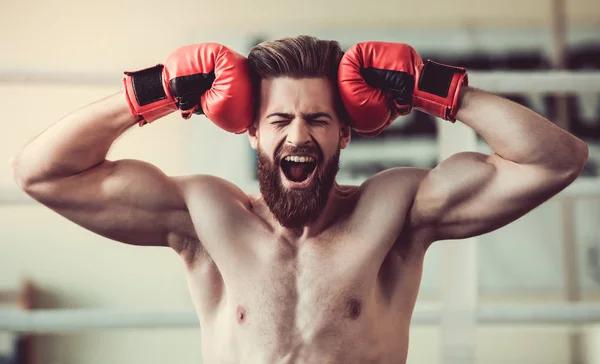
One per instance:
(280,122)
(319,122)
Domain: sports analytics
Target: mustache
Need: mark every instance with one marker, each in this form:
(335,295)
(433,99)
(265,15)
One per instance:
(285,150)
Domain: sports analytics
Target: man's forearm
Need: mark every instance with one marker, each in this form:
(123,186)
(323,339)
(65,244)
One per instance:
(75,143)
(518,134)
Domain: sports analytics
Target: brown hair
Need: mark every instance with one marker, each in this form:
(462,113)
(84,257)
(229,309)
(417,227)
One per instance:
(297,57)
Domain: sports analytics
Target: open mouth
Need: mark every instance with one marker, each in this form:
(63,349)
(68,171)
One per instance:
(298,168)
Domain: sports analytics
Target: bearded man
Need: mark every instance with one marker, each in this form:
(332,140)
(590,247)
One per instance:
(307,271)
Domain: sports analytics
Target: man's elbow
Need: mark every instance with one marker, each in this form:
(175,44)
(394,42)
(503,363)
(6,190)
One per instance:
(14,169)
(577,160)
(582,155)
(22,179)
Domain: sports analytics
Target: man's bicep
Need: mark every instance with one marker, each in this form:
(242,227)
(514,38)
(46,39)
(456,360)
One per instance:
(128,201)
(470,194)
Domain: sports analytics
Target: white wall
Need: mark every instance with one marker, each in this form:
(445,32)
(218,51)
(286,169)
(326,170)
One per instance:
(75,268)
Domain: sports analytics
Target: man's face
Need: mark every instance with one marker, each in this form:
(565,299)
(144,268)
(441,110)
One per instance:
(298,138)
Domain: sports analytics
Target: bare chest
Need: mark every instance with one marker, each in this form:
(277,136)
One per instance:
(323,298)
(317,289)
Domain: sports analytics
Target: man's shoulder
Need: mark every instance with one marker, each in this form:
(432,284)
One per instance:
(206,188)
(403,180)
(390,192)
(384,202)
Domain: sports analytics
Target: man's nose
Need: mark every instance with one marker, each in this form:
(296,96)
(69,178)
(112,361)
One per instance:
(298,134)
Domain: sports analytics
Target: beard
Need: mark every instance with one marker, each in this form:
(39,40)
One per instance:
(296,208)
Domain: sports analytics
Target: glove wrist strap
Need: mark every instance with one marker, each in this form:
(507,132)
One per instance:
(146,94)
(438,88)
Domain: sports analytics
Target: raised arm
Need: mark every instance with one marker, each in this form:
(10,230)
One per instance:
(471,193)
(65,168)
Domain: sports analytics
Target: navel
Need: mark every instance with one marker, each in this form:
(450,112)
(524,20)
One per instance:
(241,314)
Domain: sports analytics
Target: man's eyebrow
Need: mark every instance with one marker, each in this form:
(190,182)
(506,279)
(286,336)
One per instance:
(307,116)
(316,115)
(281,115)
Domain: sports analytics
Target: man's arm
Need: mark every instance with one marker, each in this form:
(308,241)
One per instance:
(130,201)
(470,194)
(65,168)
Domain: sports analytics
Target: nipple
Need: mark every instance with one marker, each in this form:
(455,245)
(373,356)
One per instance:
(354,307)
(241,314)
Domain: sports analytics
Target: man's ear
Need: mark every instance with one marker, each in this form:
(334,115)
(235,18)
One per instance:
(253,135)
(345,136)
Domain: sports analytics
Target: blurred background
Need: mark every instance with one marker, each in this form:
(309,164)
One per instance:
(60,56)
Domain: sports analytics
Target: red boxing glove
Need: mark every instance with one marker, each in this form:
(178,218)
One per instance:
(205,78)
(379,81)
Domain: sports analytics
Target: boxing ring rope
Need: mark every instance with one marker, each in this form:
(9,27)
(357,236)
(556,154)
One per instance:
(581,188)
(73,320)
(494,81)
